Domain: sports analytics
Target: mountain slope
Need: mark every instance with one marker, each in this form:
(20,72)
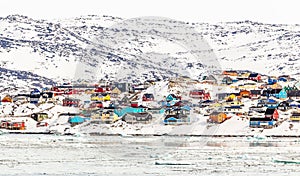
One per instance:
(105,47)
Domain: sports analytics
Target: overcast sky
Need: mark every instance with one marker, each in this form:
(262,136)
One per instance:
(269,11)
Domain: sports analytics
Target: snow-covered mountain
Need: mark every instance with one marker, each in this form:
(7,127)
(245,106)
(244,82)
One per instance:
(105,47)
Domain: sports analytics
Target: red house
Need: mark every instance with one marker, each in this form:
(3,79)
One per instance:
(200,94)
(97,104)
(148,97)
(272,114)
(100,89)
(71,102)
(134,104)
(254,77)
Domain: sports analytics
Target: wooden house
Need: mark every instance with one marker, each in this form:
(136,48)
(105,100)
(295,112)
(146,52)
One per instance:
(177,116)
(258,109)
(201,94)
(260,122)
(230,73)
(277,93)
(293,94)
(15,125)
(123,87)
(227,80)
(284,106)
(134,104)
(47,97)
(35,96)
(210,79)
(148,97)
(272,113)
(295,117)
(115,92)
(7,99)
(217,117)
(108,116)
(255,94)
(134,118)
(39,116)
(234,109)
(245,94)
(254,77)
(71,102)
(100,97)
(173,97)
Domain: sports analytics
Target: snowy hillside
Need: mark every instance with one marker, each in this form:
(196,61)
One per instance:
(96,47)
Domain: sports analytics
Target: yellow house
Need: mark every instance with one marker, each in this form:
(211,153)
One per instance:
(231,97)
(295,116)
(109,116)
(233,103)
(100,97)
(116,91)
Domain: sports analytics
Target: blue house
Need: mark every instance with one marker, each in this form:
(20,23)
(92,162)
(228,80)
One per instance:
(271,81)
(277,93)
(34,96)
(172,97)
(121,112)
(272,104)
(282,94)
(261,122)
(177,116)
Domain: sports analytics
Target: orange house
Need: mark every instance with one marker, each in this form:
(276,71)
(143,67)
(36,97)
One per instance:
(230,73)
(245,93)
(217,117)
(7,99)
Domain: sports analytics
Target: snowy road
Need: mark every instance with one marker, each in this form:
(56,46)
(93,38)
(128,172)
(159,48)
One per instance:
(112,155)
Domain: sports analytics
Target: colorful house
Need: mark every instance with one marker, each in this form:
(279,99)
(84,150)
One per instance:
(258,122)
(134,118)
(7,99)
(227,80)
(282,94)
(71,102)
(272,113)
(39,116)
(217,117)
(172,97)
(255,94)
(77,120)
(230,73)
(34,96)
(245,93)
(148,97)
(100,97)
(295,117)
(121,112)
(177,116)
(254,77)
(199,94)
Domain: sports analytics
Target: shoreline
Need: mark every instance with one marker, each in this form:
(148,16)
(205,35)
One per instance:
(153,135)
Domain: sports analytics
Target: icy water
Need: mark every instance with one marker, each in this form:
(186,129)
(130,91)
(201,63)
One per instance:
(113,155)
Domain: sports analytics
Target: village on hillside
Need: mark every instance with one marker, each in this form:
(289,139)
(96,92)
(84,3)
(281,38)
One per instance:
(231,103)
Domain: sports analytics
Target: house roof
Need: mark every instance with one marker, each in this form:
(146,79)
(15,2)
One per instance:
(270,111)
(293,93)
(255,92)
(253,75)
(148,95)
(215,113)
